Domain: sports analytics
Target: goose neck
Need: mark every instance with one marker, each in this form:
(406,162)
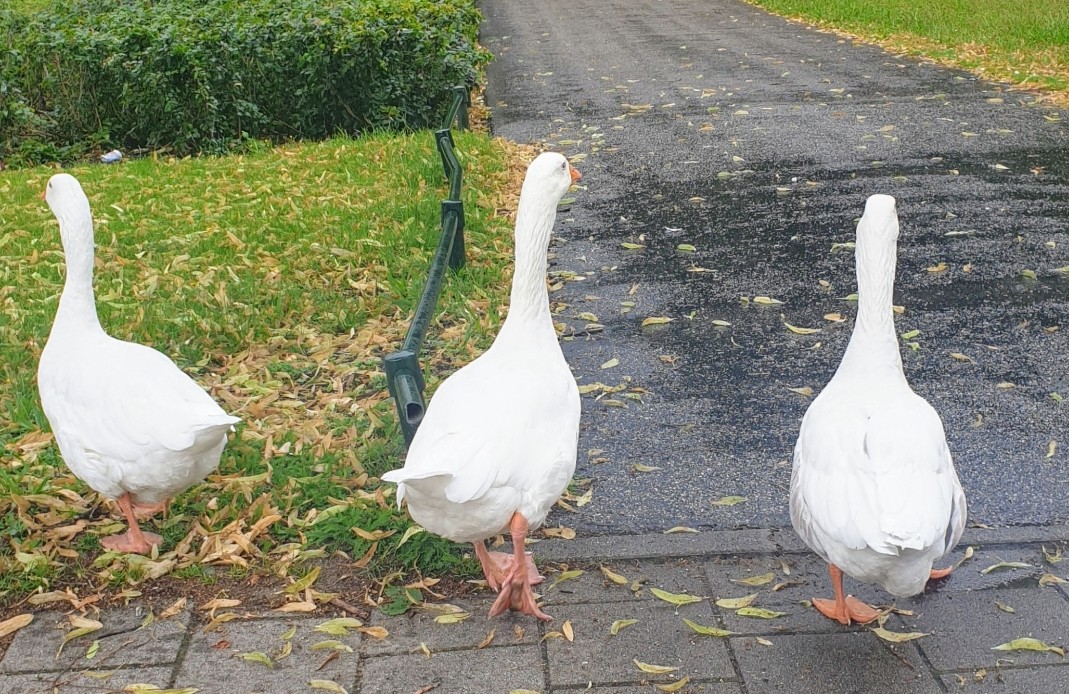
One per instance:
(874,340)
(529,300)
(77,304)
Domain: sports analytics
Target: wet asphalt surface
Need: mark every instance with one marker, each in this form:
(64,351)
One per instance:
(757,141)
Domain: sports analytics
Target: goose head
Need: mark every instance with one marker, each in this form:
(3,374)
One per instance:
(68,203)
(549,176)
(880,221)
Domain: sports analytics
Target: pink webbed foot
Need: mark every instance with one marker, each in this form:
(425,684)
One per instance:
(145,511)
(936,574)
(516,593)
(844,608)
(139,543)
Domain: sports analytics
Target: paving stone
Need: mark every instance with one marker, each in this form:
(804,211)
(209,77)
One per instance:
(659,637)
(123,642)
(657,545)
(964,627)
(84,681)
(674,575)
(848,663)
(408,631)
(1050,679)
(212,662)
(692,688)
(968,575)
(486,671)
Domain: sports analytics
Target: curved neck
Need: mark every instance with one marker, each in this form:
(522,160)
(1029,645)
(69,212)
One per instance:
(874,342)
(77,305)
(529,301)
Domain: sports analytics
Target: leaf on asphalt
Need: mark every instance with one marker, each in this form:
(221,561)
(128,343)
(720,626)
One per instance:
(707,631)
(82,626)
(219,621)
(897,636)
(766,300)
(1052,448)
(144,688)
(1054,557)
(736,603)
(1006,565)
(834,317)
(1004,607)
(91,652)
(1051,580)
(632,246)
(488,640)
(1028,274)
(675,598)
(256,657)
(566,576)
(566,629)
(961,357)
(327,686)
(653,669)
(938,267)
(800,331)
(289,633)
(728,500)
(332,645)
(452,617)
(674,687)
(620,624)
(911,335)
(1029,644)
(611,363)
(680,529)
(755,580)
(655,320)
(613,576)
(763,642)
(10,626)
(720,323)
(639,467)
(339,626)
(804,390)
(758,613)
(686,248)
(376,632)
(560,531)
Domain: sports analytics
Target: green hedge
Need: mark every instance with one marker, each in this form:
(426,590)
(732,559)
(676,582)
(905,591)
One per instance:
(203,75)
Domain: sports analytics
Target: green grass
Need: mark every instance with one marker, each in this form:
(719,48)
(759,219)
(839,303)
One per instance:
(1024,42)
(278,280)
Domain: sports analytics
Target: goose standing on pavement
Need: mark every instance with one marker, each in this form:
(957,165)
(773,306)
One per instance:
(497,446)
(128,422)
(873,489)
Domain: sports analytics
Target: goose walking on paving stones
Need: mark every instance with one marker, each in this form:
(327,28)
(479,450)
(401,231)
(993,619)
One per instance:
(128,422)
(498,444)
(873,490)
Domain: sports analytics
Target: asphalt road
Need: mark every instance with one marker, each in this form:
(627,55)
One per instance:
(757,141)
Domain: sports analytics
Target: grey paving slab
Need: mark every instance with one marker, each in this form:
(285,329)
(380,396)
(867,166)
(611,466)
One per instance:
(487,671)
(656,545)
(84,681)
(847,663)
(1051,679)
(409,630)
(673,575)
(658,637)
(123,642)
(691,688)
(213,661)
(964,627)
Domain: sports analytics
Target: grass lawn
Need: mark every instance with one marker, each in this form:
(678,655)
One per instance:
(1026,43)
(278,279)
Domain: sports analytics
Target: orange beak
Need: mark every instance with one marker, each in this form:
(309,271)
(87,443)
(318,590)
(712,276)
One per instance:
(575,174)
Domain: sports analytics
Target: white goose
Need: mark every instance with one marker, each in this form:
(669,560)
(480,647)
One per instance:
(497,446)
(873,490)
(128,422)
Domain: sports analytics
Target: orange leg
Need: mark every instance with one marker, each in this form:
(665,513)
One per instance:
(134,539)
(936,574)
(516,593)
(496,565)
(843,609)
(143,511)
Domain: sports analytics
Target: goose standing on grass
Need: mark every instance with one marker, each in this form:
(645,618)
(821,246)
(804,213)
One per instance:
(873,490)
(497,446)
(128,422)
